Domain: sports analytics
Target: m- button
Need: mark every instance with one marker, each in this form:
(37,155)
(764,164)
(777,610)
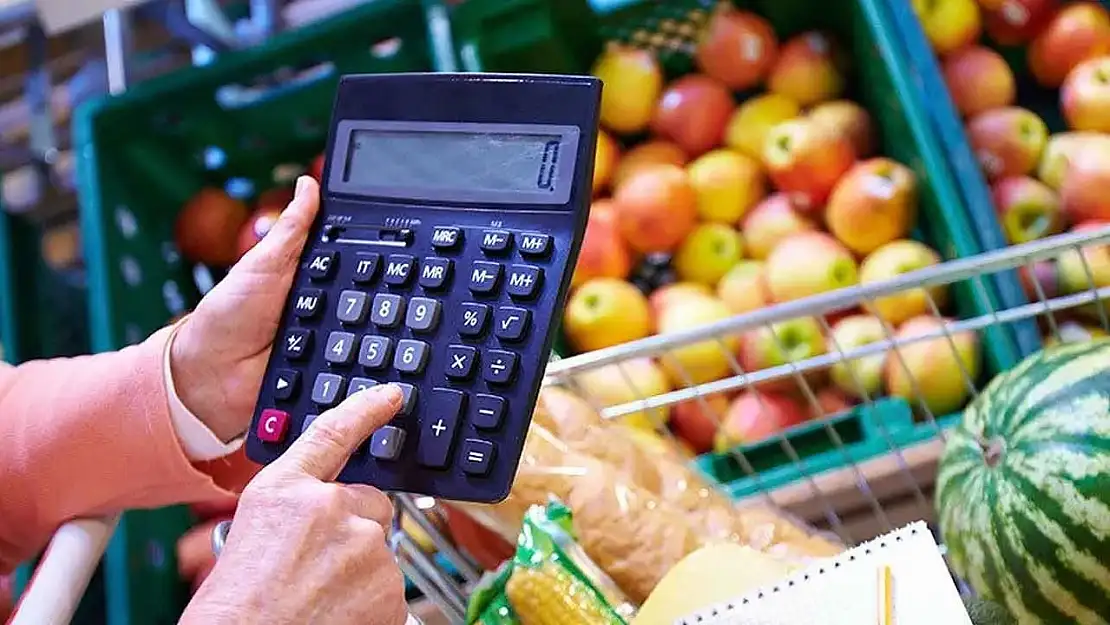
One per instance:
(496,241)
(272,425)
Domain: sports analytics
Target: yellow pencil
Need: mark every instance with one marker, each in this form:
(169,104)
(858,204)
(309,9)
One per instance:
(886,596)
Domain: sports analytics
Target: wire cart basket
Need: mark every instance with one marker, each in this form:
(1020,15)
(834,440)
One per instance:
(842,487)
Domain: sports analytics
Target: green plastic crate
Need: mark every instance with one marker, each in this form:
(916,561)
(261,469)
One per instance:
(143,153)
(549,36)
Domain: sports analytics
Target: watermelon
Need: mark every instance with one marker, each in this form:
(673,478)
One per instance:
(1023,489)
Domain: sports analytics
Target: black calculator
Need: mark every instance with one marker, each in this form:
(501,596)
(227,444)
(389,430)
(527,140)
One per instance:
(453,206)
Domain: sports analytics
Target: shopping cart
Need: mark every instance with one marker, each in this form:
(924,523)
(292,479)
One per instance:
(861,497)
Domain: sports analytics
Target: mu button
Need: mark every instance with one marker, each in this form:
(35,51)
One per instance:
(272,425)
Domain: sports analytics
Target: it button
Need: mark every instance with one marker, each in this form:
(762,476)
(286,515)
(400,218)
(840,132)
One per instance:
(272,425)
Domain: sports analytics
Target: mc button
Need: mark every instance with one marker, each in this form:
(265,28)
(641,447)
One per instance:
(272,425)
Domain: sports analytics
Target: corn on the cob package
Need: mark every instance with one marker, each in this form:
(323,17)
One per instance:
(549,581)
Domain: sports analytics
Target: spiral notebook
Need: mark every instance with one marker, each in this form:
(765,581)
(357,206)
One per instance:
(899,578)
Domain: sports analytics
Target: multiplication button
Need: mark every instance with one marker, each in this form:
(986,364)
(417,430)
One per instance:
(438,427)
(461,361)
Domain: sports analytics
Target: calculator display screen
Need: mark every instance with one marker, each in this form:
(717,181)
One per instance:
(470,162)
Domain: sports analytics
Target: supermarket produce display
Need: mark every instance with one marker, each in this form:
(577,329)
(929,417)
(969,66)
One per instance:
(1024,486)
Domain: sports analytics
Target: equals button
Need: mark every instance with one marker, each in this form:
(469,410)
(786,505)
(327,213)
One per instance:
(477,456)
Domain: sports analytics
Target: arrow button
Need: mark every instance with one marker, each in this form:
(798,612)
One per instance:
(286,384)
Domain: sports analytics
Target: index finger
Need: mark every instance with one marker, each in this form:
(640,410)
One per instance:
(327,444)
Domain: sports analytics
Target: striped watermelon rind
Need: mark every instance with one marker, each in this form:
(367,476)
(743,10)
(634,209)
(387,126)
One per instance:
(1023,488)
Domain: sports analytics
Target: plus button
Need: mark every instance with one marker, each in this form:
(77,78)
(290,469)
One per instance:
(438,428)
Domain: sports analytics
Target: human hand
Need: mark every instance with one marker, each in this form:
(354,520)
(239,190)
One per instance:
(220,352)
(303,549)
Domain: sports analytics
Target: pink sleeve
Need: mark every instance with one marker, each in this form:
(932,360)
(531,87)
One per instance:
(88,436)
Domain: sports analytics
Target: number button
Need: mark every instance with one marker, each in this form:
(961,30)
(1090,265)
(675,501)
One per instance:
(411,356)
(286,382)
(472,319)
(353,306)
(439,427)
(308,419)
(488,411)
(477,456)
(340,348)
(423,315)
(308,303)
(327,388)
(386,442)
(386,310)
(524,281)
(408,398)
(496,241)
(366,267)
(360,384)
(460,361)
(535,245)
(511,324)
(298,342)
(398,269)
(322,265)
(445,237)
(374,352)
(434,273)
(500,366)
(484,277)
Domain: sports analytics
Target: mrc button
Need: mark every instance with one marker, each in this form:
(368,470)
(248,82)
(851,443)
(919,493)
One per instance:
(272,425)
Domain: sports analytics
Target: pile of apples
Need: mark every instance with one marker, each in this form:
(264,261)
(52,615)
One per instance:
(707,207)
(1041,184)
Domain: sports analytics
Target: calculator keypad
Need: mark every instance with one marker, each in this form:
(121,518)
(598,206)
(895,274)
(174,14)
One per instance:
(398,317)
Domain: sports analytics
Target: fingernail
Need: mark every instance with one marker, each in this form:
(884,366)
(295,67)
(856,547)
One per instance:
(302,185)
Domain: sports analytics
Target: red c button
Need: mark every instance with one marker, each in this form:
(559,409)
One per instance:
(272,425)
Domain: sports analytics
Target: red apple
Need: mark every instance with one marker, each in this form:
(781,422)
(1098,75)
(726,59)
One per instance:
(1008,141)
(604,254)
(1085,192)
(696,421)
(276,198)
(874,203)
(771,221)
(979,79)
(805,159)
(849,119)
(1016,22)
(694,113)
(207,228)
(656,209)
(257,227)
(738,48)
(809,70)
(1085,96)
(756,416)
(831,401)
(1027,208)
(1079,31)
(1041,273)
(316,168)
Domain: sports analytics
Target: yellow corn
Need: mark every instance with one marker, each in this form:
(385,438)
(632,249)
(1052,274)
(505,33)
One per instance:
(552,596)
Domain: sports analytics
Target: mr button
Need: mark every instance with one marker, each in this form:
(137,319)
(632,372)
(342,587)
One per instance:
(272,425)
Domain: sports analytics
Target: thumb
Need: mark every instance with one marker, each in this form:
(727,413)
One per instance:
(328,443)
(280,249)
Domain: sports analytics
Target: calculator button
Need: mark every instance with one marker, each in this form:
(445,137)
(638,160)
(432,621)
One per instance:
(322,265)
(360,384)
(496,241)
(472,319)
(387,310)
(366,267)
(408,398)
(524,281)
(461,362)
(440,426)
(435,273)
(340,348)
(398,269)
(298,342)
(500,366)
(488,411)
(272,425)
(353,306)
(327,388)
(423,314)
(286,383)
(477,456)
(308,304)
(373,353)
(484,277)
(534,244)
(411,356)
(308,422)
(511,324)
(446,238)
(386,443)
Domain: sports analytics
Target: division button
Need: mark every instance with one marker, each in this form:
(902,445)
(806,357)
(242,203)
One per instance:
(500,366)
